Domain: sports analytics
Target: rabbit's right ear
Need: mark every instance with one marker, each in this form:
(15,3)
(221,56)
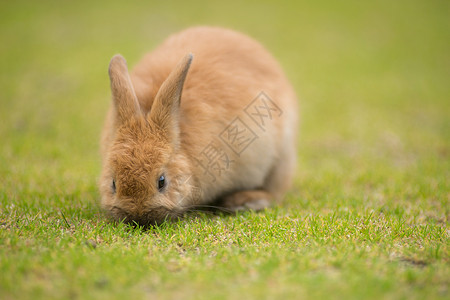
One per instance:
(124,98)
(165,109)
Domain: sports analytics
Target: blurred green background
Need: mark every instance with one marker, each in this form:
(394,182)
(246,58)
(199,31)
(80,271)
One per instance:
(372,76)
(373,82)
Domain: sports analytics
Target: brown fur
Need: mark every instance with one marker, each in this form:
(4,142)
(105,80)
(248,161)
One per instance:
(166,113)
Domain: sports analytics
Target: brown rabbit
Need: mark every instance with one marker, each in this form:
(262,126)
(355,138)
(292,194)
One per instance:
(218,125)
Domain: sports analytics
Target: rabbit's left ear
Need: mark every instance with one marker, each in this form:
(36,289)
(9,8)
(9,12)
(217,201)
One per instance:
(124,98)
(165,108)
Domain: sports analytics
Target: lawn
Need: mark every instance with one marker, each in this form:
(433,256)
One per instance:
(367,217)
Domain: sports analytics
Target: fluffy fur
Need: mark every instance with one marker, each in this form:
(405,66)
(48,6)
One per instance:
(169,116)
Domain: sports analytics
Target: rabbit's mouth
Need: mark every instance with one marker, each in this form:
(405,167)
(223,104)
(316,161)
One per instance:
(153,217)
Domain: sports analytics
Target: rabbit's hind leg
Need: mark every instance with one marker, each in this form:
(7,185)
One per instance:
(247,199)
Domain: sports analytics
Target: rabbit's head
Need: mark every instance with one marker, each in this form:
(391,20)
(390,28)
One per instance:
(145,178)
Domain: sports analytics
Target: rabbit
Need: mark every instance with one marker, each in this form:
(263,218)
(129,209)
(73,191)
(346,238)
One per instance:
(207,118)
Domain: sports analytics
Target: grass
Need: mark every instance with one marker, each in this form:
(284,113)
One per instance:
(367,217)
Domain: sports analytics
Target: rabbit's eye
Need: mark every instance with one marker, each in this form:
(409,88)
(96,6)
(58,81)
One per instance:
(113,186)
(161,182)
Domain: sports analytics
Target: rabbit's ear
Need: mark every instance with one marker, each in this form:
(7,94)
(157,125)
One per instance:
(165,108)
(125,101)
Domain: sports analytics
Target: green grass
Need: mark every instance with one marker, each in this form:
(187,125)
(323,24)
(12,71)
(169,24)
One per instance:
(367,217)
